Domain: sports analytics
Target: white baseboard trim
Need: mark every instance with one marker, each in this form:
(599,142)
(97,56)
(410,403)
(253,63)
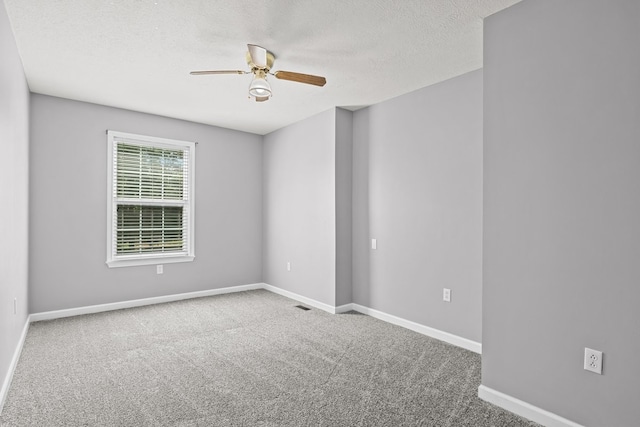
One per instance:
(344,308)
(422,329)
(57,314)
(523,408)
(317,304)
(14,362)
(456,340)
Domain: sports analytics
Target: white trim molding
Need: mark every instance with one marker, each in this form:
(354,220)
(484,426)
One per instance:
(447,337)
(344,308)
(184,200)
(416,327)
(57,314)
(309,301)
(523,408)
(14,362)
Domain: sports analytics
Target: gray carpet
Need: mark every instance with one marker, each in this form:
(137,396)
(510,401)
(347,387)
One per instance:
(245,359)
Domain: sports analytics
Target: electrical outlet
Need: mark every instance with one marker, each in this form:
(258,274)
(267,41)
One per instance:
(159,269)
(288,266)
(593,360)
(446,295)
(374,243)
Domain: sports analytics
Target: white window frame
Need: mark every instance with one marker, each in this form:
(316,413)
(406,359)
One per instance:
(114,260)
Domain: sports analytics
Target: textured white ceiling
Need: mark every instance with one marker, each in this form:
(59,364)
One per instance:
(137,54)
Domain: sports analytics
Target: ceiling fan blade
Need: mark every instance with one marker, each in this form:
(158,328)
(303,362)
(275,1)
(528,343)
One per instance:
(300,78)
(261,98)
(258,55)
(202,73)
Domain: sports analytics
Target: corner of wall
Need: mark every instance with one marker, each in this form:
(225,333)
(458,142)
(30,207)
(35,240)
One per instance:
(344,200)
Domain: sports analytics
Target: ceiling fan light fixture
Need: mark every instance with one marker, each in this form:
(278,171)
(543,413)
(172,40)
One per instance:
(260,62)
(260,87)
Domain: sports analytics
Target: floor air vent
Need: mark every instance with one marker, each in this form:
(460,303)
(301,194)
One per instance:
(302,307)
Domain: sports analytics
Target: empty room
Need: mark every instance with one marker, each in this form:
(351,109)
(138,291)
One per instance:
(319,213)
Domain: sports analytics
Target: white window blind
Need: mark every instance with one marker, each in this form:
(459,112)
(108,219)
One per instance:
(151,200)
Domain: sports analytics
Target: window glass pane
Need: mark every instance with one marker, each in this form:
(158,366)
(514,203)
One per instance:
(144,229)
(149,172)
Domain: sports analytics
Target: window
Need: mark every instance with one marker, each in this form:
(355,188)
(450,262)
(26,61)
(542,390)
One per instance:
(150,200)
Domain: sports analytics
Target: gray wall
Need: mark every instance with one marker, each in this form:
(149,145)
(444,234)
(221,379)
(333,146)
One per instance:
(562,206)
(299,224)
(418,190)
(344,170)
(68,207)
(360,208)
(14,189)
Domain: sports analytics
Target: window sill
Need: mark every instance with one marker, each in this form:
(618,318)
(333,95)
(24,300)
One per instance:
(132,262)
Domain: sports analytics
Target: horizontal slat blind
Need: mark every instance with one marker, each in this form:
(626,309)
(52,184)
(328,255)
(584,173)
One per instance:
(151,199)
(150,173)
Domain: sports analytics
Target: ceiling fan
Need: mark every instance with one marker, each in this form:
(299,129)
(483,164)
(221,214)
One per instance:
(260,61)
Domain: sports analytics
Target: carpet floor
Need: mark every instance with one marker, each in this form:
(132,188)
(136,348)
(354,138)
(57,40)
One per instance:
(243,359)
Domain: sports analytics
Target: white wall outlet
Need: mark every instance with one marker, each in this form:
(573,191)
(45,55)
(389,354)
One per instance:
(374,243)
(593,360)
(288,266)
(446,295)
(159,269)
(15,306)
